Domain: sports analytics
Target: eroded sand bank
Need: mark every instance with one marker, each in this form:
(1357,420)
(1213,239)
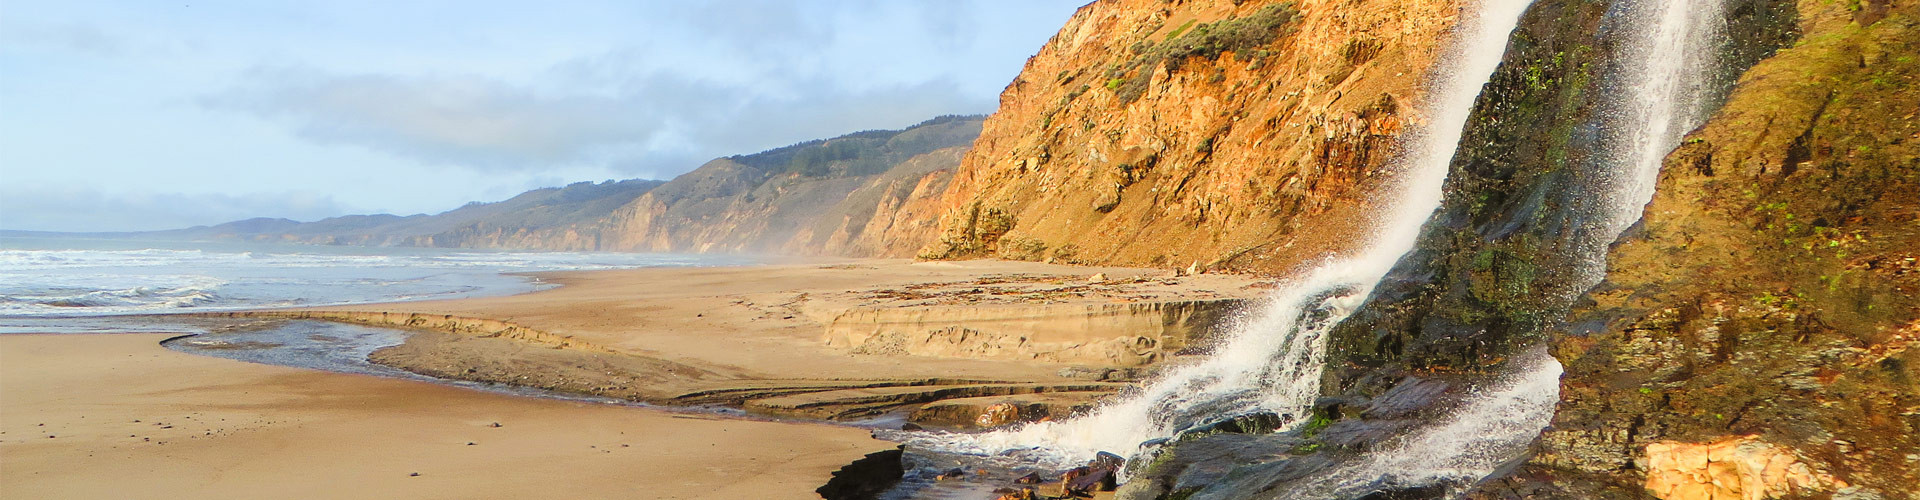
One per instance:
(734,335)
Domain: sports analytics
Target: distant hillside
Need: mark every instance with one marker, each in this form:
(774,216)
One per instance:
(835,196)
(544,212)
(815,197)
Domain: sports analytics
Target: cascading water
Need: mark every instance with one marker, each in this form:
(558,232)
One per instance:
(1662,86)
(1273,361)
(1496,424)
(1659,88)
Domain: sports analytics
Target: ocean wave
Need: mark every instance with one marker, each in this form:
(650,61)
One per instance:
(70,283)
(199,291)
(40,260)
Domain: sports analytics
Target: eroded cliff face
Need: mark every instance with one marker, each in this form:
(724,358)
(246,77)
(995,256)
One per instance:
(1771,295)
(1233,134)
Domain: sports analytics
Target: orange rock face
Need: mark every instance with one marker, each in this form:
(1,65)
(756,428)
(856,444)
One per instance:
(1742,468)
(1241,135)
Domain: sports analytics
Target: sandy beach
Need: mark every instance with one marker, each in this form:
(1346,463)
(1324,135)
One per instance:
(118,416)
(839,340)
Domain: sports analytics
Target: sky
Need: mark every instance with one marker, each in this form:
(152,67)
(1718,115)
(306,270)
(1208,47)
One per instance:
(138,115)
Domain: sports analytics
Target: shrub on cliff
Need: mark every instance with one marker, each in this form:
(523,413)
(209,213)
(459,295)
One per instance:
(1238,35)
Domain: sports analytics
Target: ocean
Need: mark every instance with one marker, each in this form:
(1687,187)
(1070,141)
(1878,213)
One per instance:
(80,284)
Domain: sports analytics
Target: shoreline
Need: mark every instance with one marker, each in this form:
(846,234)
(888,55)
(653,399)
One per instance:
(773,342)
(810,339)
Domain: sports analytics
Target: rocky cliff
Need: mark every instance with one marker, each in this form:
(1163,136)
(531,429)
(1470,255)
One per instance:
(1762,318)
(1752,335)
(1243,134)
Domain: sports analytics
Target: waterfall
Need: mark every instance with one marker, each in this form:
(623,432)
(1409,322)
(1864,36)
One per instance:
(1272,361)
(1661,87)
(1495,425)
(1658,86)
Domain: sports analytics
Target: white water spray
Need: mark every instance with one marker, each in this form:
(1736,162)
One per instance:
(1273,361)
(1494,426)
(1665,83)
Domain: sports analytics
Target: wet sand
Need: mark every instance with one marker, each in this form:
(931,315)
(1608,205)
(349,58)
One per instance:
(118,416)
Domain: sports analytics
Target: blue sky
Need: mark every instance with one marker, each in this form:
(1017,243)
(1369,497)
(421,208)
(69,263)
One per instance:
(153,115)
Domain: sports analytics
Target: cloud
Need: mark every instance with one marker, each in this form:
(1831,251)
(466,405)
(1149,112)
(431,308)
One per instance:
(466,121)
(37,208)
(77,37)
(694,81)
(650,122)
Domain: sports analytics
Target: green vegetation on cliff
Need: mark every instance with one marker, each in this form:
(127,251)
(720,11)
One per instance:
(1242,36)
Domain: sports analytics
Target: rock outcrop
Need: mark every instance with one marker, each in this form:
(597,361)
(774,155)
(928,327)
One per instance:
(1768,296)
(1741,468)
(1771,290)
(1242,135)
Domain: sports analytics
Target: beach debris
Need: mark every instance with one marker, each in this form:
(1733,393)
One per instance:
(1098,278)
(469,443)
(953,473)
(495,425)
(1030,478)
(416,474)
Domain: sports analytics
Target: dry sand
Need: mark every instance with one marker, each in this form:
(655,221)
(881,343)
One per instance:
(118,416)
